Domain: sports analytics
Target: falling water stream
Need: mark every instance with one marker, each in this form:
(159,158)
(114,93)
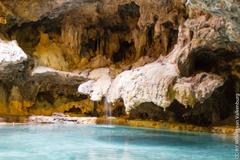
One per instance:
(108,112)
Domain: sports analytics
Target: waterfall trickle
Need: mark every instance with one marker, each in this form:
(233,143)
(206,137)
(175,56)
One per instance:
(108,112)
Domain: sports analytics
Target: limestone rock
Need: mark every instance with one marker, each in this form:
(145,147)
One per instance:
(160,82)
(150,83)
(56,119)
(98,86)
(190,90)
(10,52)
(229,9)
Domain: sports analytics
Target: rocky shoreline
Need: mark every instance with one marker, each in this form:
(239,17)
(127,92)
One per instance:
(63,119)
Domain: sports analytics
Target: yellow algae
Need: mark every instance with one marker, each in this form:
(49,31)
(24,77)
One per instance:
(49,53)
(3,20)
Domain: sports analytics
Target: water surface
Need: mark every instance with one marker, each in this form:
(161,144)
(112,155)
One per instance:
(92,142)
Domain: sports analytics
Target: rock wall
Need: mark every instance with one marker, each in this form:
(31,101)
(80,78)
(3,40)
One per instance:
(160,59)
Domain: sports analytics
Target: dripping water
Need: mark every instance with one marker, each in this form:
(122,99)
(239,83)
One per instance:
(108,112)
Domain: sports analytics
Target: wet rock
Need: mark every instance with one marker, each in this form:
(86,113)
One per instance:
(61,118)
(98,86)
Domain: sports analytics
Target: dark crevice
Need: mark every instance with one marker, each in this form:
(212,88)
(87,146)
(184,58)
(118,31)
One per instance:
(205,62)
(126,51)
(46,96)
(129,11)
(213,61)
(118,109)
(74,110)
(172,35)
(89,46)
(178,111)
(148,111)
(150,34)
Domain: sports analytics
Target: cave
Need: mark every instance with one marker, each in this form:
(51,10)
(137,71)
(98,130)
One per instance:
(214,61)
(205,62)
(119,79)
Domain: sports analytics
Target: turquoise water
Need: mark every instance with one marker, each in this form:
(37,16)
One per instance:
(80,142)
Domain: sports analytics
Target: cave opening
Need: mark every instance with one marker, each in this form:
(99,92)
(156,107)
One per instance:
(204,62)
(214,61)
